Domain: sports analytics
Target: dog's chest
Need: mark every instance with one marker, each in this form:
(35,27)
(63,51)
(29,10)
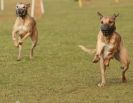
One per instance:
(107,45)
(22,29)
(107,48)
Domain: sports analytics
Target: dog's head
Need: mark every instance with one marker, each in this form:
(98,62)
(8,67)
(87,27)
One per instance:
(22,9)
(107,23)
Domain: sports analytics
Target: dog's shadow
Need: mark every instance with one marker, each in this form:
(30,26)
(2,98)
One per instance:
(118,82)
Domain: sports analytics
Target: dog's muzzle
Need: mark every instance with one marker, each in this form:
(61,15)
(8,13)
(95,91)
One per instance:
(107,29)
(21,12)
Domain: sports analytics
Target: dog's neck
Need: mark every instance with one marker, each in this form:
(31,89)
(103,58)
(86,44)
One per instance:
(23,18)
(107,39)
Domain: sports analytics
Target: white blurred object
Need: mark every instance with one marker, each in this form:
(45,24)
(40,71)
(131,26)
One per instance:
(35,7)
(2,5)
(17,101)
(117,1)
(42,7)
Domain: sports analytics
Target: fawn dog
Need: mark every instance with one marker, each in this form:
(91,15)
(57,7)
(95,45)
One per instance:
(25,26)
(109,46)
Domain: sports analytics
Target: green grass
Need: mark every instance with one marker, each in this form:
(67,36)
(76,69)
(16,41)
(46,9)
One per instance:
(60,71)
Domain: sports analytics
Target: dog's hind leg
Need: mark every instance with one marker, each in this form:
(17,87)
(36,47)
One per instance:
(123,58)
(34,42)
(34,39)
(103,68)
(124,69)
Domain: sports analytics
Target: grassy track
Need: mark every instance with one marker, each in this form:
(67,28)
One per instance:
(60,71)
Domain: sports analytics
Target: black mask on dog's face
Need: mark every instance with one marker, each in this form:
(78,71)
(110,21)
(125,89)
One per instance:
(107,29)
(21,9)
(107,24)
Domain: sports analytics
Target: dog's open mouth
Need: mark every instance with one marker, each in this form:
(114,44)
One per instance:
(107,30)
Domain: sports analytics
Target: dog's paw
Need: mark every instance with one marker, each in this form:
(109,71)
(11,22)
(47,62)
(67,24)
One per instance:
(19,59)
(31,57)
(16,44)
(101,84)
(20,43)
(96,59)
(124,80)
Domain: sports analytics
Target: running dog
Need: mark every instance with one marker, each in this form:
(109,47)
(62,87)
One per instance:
(109,46)
(25,26)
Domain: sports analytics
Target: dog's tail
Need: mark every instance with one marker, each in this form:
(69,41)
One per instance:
(87,50)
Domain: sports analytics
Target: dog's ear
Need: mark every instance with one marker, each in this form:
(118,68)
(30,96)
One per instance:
(115,15)
(99,14)
(28,5)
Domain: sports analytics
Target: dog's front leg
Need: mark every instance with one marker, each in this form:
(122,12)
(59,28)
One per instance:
(103,68)
(99,49)
(14,38)
(21,40)
(108,58)
(98,53)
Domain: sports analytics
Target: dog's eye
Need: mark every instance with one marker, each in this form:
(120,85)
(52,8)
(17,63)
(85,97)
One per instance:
(101,22)
(16,6)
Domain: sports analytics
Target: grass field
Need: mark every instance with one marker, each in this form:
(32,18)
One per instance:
(60,71)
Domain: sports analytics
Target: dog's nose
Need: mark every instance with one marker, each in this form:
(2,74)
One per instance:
(105,27)
(21,10)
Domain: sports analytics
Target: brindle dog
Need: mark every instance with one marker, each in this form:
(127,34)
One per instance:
(109,46)
(25,26)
